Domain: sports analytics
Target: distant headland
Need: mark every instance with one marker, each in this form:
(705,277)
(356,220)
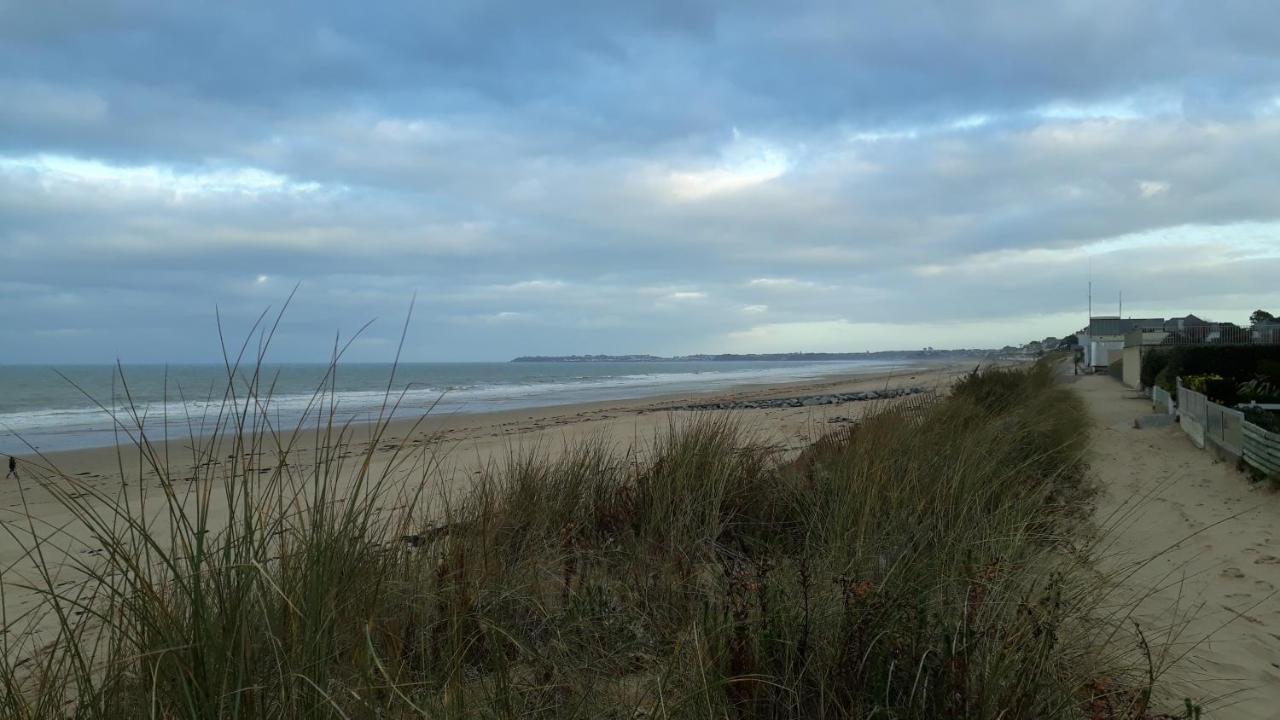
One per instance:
(764,357)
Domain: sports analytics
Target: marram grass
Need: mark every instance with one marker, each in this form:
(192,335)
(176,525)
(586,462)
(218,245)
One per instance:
(928,564)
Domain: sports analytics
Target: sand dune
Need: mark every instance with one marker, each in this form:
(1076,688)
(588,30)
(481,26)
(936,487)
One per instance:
(445,451)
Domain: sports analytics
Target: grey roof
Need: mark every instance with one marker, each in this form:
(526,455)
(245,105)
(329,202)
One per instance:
(1122,326)
(1185,322)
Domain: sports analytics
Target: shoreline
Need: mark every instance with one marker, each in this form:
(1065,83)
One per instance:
(90,426)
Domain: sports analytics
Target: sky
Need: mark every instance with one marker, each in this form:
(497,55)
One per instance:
(597,177)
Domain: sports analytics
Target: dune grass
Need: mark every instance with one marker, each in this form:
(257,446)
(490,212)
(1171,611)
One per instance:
(927,564)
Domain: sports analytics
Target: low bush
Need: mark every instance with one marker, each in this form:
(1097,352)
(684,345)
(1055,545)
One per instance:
(1268,420)
(1259,390)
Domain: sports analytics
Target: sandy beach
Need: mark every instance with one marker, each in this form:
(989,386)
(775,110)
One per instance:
(444,451)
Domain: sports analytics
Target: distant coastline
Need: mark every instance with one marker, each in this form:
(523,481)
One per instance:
(766,357)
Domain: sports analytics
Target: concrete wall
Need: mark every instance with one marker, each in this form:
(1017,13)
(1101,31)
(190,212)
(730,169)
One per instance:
(1103,350)
(1133,367)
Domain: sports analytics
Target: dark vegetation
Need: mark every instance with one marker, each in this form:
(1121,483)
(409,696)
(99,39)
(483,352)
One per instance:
(1234,365)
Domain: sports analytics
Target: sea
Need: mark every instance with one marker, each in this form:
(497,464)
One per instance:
(69,407)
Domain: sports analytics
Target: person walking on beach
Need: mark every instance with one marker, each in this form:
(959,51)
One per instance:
(13,469)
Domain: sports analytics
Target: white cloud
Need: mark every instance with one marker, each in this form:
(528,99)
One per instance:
(744,163)
(783,284)
(64,170)
(842,335)
(1152,188)
(530,286)
(684,295)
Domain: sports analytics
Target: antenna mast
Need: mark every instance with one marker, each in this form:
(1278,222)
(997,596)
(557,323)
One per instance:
(1091,287)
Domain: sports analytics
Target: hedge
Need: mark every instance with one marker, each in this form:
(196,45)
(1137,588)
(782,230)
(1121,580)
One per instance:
(1234,363)
(1153,361)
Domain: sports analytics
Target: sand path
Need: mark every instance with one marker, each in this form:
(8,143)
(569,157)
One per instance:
(1215,537)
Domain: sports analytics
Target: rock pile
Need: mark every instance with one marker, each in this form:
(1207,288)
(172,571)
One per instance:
(805,401)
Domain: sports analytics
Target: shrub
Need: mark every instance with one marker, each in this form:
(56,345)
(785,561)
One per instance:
(1259,390)
(1153,362)
(1268,370)
(1267,420)
(1217,388)
(1199,383)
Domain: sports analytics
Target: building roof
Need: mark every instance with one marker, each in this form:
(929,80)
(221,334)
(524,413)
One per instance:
(1185,322)
(1122,326)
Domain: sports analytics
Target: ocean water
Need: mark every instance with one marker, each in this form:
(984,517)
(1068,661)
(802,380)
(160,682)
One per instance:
(44,409)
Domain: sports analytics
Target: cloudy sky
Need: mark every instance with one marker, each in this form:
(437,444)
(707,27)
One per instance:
(641,177)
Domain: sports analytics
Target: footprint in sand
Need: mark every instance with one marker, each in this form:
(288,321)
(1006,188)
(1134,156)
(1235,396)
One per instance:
(1232,572)
(1267,560)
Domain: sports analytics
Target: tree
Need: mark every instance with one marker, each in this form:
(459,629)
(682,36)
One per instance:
(1261,316)
(1068,342)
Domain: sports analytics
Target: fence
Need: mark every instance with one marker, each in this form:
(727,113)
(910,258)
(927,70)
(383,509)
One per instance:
(1208,423)
(1192,409)
(1224,427)
(1208,334)
(1162,401)
(1261,449)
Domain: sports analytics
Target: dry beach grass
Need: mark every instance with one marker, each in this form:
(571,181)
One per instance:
(926,564)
